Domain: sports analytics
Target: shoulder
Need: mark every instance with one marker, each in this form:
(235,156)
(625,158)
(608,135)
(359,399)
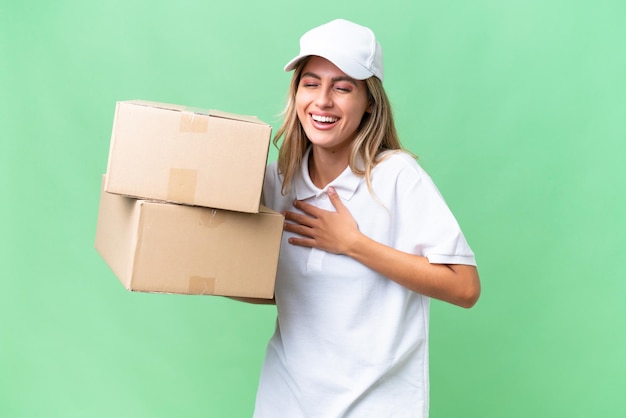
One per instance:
(399,163)
(401,174)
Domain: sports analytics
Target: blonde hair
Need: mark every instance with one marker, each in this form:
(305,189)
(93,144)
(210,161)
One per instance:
(376,133)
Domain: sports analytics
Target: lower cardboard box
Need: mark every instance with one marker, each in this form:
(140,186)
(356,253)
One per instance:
(169,248)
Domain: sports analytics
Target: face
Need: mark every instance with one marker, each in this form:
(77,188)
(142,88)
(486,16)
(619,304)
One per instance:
(330,105)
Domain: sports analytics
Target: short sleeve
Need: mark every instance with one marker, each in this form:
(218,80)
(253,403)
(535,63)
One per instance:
(424,223)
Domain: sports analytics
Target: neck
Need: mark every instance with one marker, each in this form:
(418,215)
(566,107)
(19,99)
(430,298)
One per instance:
(325,166)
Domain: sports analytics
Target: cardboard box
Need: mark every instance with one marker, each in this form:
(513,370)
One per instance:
(186,155)
(156,246)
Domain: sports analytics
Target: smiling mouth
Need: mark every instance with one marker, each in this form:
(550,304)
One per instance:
(324,119)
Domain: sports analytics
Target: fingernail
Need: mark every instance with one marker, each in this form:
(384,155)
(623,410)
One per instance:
(331,190)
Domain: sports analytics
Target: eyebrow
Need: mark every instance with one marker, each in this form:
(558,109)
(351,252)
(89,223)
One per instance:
(334,79)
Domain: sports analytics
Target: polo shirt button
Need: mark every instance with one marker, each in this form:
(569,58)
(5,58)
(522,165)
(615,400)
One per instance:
(324,196)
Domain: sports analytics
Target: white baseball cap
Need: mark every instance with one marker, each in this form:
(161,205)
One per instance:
(352,48)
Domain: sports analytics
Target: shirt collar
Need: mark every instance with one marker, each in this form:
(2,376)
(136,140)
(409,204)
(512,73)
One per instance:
(345,184)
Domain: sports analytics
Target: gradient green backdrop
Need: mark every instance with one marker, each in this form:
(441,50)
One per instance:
(516,108)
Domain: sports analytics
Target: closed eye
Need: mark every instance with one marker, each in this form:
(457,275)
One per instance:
(343,89)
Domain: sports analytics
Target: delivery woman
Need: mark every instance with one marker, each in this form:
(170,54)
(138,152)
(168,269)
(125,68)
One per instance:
(368,240)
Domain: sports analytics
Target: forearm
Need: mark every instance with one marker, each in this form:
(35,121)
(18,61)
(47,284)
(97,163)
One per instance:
(456,284)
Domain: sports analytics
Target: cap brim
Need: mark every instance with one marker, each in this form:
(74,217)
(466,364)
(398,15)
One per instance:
(291,65)
(348,66)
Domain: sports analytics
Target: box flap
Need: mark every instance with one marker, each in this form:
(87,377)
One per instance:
(158,105)
(226,115)
(208,112)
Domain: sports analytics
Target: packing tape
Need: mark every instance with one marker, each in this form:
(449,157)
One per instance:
(210,218)
(182,185)
(201,285)
(194,123)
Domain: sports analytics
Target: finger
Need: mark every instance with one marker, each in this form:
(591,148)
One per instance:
(299,218)
(304,231)
(335,199)
(307,208)
(302,242)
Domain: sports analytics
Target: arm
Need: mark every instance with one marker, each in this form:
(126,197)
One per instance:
(337,232)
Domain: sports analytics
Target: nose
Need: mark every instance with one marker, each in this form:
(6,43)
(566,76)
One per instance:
(324,98)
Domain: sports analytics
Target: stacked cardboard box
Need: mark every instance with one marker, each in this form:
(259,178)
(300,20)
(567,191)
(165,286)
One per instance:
(180,203)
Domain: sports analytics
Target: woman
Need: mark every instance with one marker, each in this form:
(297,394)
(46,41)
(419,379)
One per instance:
(367,241)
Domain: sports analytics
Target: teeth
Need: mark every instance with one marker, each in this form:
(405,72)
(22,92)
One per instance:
(325,119)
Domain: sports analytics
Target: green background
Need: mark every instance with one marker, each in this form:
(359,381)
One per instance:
(516,108)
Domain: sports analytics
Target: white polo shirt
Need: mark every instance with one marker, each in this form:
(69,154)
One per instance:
(349,342)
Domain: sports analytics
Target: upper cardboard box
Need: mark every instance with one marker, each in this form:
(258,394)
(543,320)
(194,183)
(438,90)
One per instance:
(187,155)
